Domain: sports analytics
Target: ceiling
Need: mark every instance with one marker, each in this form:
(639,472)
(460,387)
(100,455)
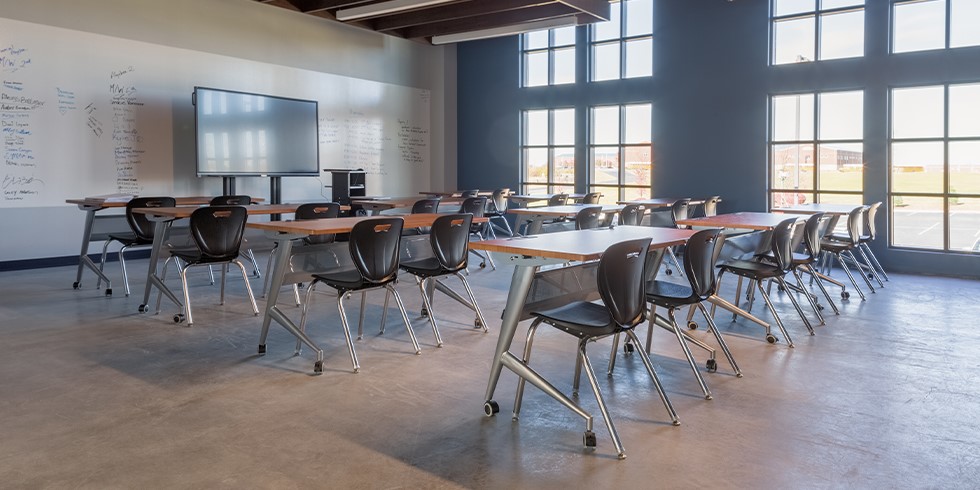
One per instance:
(448,21)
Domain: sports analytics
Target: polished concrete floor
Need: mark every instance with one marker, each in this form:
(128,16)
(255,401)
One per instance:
(96,395)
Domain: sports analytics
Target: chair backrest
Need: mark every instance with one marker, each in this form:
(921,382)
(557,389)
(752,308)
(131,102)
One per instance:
(632,214)
(816,227)
(855,220)
(621,281)
(477,206)
(470,193)
(700,256)
(426,206)
(374,247)
(680,210)
(450,240)
(711,205)
(318,210)
(218,230)
(499,200)
(588,218)
(869,219)
(229,200)
(142,227)
(558,200)
(592,198)
(781,243)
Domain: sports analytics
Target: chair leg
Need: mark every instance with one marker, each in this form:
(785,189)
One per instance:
(612,355)
(738,296)
(809,296)
(255,263)
(874,260)
(775,316)
(248,287)
(813,275)
(360,316)
(268,266)
(867,265)
(343,319)
(719,338)
(408,324)
(105,250)
(519,397)
(187,297)
(688,354)
(849,255)
(847,271)
(677,263)
(796,304)
(224,273)
(469,292)
(384,312)
(432,313)
(122,265)
(620,452)
(656,380)
(305,312)
(163,278)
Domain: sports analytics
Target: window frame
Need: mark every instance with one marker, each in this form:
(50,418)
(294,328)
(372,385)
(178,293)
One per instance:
(621,41)
(550,183)
(621,146)
(818,14)
(550,49)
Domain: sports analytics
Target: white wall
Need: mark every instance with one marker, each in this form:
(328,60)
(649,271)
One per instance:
(243,29)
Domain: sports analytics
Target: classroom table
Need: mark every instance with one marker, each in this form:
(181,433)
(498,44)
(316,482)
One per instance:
(284,232)
(445,194)
(375,205)
(813,208)
(535,217)
(529,254)
(91,206)
(661,202)
(164,217)
(523,200)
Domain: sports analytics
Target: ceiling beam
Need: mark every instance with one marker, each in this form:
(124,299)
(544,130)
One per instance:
(510,17)
(460,10)
(311,6)
(598,9)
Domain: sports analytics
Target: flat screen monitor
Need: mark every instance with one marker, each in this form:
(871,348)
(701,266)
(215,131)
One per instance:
(243,134)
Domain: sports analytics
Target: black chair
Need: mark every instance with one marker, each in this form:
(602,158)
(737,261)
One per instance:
(450,239)
(470,193)
(700,255)
(238,200)
(477,206)
(313,210)
(813,232)
(632,215)
(711,205)
(374,248)
(423,206)
(621,283)
(775,267)
(558,200)
(498,210)
(678,211)
(841,247)
(592,198)
(869,256)
(141,234)
(217,232)
(588,218)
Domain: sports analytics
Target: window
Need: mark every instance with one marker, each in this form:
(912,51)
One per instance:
(920,25)
(548,151)
(935,167)
(816,149)
(622,47)
(808,30)
(549,57)
(621,152)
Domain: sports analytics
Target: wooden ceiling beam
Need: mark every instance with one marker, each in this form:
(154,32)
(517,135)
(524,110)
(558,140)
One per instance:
(453,11)
(499,19)
(598,9)
(312,6)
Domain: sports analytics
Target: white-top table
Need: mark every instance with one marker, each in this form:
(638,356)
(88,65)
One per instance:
(535,217)
(375,205)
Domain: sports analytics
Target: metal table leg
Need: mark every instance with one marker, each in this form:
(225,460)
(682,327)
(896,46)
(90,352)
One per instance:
(160,233)
(83,258)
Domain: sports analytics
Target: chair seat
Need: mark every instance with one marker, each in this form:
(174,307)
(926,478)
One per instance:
(346,280)
(751,268)
(427,267)
(193,255)
(669,294)
(582,319)
(798,258)
(129,239)
(835,246)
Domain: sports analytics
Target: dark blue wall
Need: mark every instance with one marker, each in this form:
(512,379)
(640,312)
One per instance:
(710,94)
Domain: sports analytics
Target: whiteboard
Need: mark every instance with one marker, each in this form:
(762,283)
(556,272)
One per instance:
(83,114)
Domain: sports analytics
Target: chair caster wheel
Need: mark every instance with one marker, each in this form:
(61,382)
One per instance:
(819,306)
(669,272)
(318,367)
(108,291)
(483,265)
(771,338)
(490,408)
(845,295)
(692,325)
(143,309)
(261,349)
(588,439)
(76,285)
(424,312)
(629,348)
(477,323)
(179,317)
(711,366)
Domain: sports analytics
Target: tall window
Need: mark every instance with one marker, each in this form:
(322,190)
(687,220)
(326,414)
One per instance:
(935,167)
(549,57)
(548,151)
(816,149)
(808,30)
(622,47)
(934,24)
(621,151)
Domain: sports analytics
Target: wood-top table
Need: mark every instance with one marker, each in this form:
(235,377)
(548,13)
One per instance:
(813,208)
(375,205)
(445,194)
(528,254)
(535,217)
(284,232)
(525,199)
(744,221)
(660,202)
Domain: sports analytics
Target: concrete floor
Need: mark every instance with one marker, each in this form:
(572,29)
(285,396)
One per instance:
(96,395)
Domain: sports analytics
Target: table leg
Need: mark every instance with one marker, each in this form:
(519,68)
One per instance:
(726,305)
(160,232)
(83,258)
(272,311)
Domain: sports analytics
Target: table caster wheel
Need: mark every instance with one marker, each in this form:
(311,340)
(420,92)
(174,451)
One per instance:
(588,439)
(477,323)
(629,348)
(669,272)
(483,265)
(845,295)
(318,367)
(490,408)
(771,338)
(711,366)
(179,317)
(108,291)
(261,349)
(692,325)
(143,309)
(424,312)
(819,306)
(76,285)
